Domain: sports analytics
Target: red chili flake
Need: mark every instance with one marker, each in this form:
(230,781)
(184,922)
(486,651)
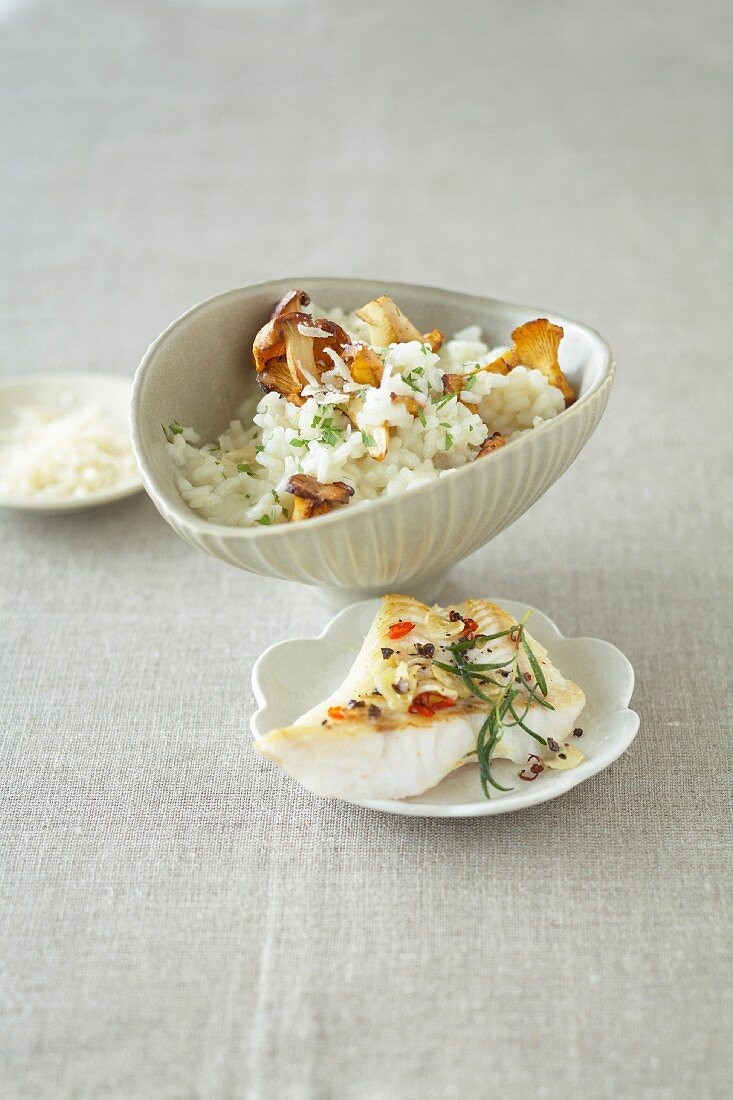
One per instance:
(535,769)
(470,626)
(338,712)
(400,630)
(427,702)
(455,617)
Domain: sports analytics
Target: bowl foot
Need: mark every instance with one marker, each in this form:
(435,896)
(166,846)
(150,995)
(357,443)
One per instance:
(426,588)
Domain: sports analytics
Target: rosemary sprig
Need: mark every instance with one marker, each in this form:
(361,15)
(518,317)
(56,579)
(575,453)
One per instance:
(506,704)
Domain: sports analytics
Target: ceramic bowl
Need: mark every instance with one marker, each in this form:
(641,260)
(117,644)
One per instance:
(109,392)
(199,372)
(290,677)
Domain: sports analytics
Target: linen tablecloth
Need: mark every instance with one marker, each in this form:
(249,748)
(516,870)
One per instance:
(181,920)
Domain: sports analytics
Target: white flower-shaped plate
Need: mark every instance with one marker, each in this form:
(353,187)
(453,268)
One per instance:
(292,676)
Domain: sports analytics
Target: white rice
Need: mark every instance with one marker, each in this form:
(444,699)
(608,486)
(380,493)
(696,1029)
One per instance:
(62,454)
(240,480)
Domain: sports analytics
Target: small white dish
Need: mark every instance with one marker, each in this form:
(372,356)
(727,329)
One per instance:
(64,391)
(292,676)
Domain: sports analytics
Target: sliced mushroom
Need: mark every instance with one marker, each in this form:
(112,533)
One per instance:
(314,498)
(410,403)
(335,339)
(535,346)
(278,376)
(295,301)
(502,365)
(435,339)
(454,383)
(365,365)
(388,325)
(290,352)
(493,443)
(376,439)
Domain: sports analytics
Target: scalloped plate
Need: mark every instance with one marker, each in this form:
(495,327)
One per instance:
(292,676)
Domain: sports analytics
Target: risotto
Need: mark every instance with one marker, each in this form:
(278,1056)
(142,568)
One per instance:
(361,405)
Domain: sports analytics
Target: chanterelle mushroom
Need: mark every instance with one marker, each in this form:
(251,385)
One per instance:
(295,301)
(314,498)
(493,443)
(290,352)
(535,346)
(364,364)
(375,436)
(388,325)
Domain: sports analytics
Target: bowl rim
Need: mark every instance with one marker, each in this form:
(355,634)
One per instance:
(187,517)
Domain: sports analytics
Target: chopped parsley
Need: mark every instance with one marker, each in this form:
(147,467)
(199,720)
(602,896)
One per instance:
(421,416)
(329,434)
(448,441)
(470,382)
(444,400)
(266,520)
(367,439)
(416,372)
(174,428)
(245,468)
(299,442)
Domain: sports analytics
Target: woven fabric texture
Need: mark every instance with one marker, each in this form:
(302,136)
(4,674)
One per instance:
(178,918)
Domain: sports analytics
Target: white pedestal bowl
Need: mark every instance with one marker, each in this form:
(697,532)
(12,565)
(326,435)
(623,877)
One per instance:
(199,372)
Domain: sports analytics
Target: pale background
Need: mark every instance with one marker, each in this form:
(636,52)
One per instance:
(180,920)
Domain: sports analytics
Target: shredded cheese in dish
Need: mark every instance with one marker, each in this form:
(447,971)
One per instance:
(64,453)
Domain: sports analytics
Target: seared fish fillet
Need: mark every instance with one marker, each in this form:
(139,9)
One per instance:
(399,723)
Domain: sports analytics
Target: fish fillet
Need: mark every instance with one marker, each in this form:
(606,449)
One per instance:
(364,742)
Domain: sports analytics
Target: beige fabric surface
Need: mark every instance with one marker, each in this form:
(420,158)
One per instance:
(179,919)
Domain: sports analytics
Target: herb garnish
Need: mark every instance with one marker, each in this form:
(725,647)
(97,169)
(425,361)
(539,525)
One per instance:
(367,439)
(174,428)
(510,701)
(329,434)
(245,468)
